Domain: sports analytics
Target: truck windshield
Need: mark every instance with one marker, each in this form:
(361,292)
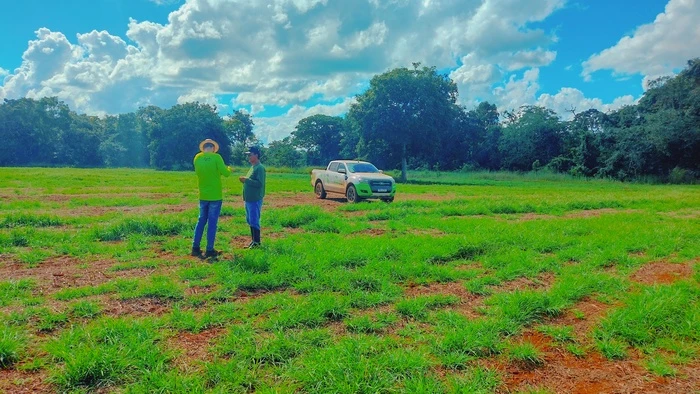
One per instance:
(362,167)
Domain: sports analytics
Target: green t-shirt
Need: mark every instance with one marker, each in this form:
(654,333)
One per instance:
(209,168)
(254,186)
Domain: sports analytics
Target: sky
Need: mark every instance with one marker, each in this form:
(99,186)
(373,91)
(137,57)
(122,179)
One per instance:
(283,60)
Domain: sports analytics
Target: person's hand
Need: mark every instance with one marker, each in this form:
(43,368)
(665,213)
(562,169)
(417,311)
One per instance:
(242,179)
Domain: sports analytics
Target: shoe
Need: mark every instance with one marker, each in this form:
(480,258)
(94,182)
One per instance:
(254,245)
(212,254)
(196,252)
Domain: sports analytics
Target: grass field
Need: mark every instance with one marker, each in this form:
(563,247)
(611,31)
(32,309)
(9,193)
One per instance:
(465,284)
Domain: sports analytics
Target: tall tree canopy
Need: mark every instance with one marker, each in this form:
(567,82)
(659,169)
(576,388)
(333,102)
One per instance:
(321,137)
(532,137)
(177,132)
(402,112)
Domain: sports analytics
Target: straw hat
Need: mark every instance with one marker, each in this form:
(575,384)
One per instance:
(209,141)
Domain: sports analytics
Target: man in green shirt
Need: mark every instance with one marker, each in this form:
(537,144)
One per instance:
(209,167)
(253,194)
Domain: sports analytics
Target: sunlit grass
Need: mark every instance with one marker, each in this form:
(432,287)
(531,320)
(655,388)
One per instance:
(413,296)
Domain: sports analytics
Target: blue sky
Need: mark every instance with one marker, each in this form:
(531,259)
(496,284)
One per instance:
(286,59)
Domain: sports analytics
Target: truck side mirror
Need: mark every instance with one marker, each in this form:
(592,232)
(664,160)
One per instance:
(381,171)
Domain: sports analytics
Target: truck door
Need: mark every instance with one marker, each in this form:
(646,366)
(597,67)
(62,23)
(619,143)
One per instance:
(331,181)
(341,177)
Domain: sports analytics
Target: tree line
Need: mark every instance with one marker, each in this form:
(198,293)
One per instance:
(408,118)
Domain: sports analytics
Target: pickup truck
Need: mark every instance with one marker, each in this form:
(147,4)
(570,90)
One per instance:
(357,180)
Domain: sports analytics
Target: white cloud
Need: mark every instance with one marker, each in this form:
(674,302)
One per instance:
(165,2)
(275,128)
(656,48)
(282,52)
(517,92)
(524,91)
(201,96)
(568,99)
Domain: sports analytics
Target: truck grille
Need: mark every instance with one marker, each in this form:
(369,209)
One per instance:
(380,186)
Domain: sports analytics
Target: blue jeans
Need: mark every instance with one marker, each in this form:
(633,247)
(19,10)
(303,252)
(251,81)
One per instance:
(208,214)
(252,213)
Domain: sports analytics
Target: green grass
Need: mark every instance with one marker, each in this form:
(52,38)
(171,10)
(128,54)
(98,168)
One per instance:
(15,290)
(12,345)
(652,318)
(86,309)
(359,365)
(560,334)
(30,220)
(526,354)
(343,298)
(105,353)
(370,324)
(418,307)
(148,227)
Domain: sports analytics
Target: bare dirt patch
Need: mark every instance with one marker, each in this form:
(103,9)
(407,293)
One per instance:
(429,231)
(194,347)
(689,213)
(583,316)
(291,200)
(65,271)
(21,382)
(450,288)
(562,372)
(136,307)
(534,216)
(542,281)
(97,194)
(375,232)
(468,305)
(592,213)
(662,272)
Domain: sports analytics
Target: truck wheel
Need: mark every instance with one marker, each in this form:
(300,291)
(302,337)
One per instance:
(351,194)
(320,191)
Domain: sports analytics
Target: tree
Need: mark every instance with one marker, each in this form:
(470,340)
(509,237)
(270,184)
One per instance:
(321,137)
(125,143)
(460,142)
(283,153)
(485,152)
(533,135)
(176,133)
(80,142)
(403,113)
(587,132)
(239,131)
(32,131)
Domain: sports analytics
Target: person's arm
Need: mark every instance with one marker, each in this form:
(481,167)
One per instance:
(223,169)
(256,179)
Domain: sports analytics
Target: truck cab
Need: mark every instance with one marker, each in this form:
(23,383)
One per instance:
(357,180)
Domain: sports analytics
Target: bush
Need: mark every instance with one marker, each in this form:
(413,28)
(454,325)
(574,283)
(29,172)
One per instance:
(679,176)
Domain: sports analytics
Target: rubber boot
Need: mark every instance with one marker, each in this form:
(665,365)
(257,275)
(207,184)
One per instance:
(252,238)
(256,238)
